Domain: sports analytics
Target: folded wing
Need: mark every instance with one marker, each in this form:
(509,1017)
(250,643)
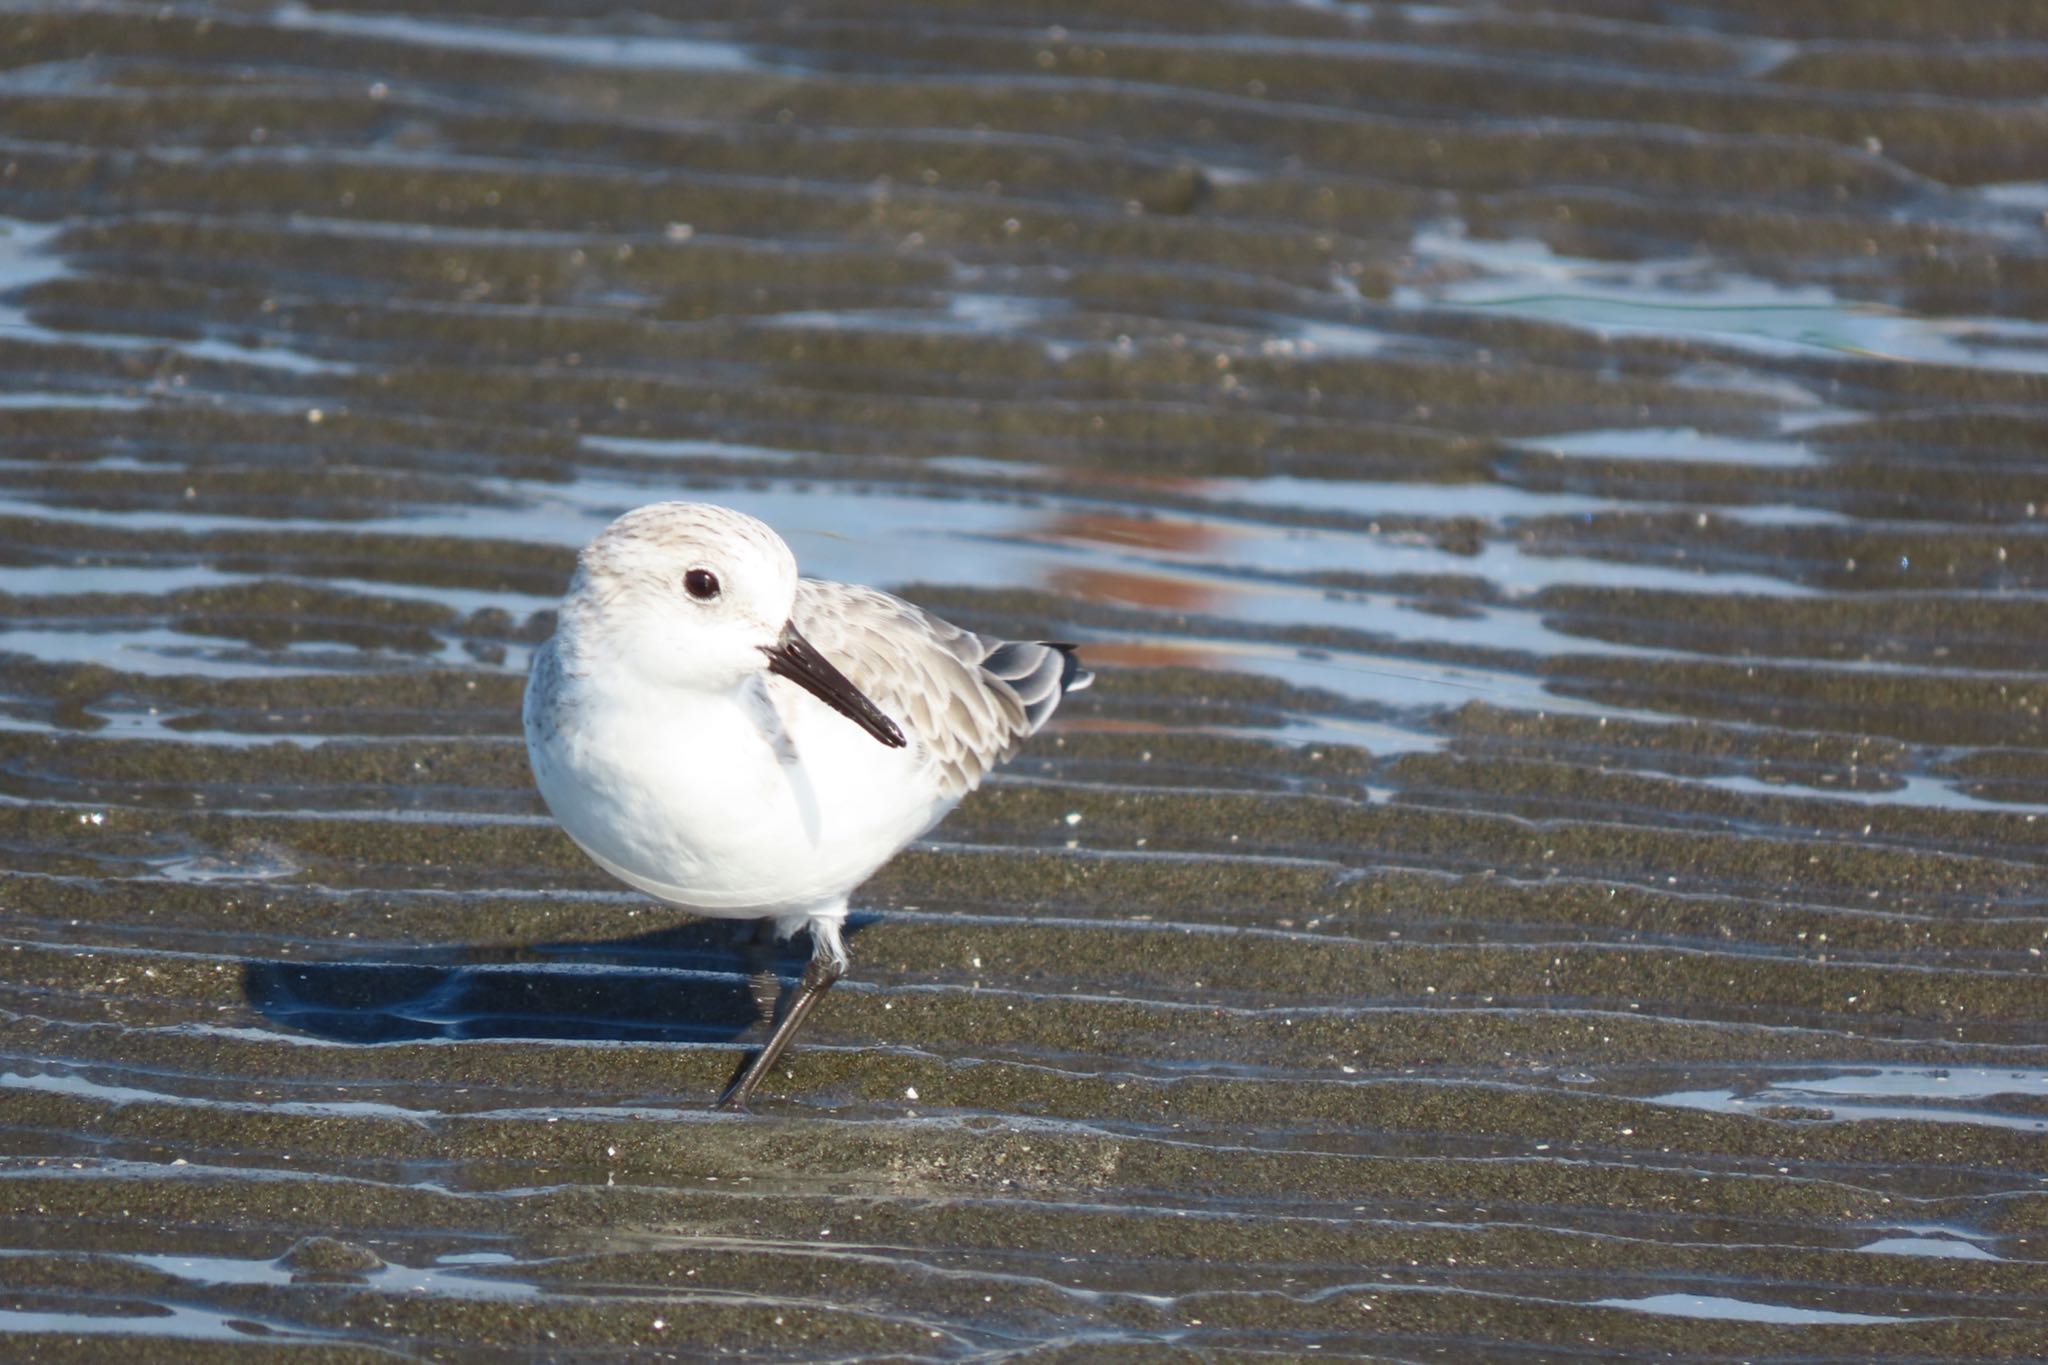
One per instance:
(967,699)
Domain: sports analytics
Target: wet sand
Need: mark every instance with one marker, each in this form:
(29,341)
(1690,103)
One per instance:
(1551,869)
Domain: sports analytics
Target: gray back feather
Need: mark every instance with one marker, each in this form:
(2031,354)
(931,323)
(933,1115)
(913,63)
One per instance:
(967,699)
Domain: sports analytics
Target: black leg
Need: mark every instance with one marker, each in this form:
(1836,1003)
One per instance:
(757,946)
(828,963)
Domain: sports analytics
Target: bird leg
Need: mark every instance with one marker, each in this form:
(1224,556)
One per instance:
(757,948)
(828,963)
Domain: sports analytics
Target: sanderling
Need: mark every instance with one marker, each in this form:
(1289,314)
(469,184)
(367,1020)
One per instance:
(743,743)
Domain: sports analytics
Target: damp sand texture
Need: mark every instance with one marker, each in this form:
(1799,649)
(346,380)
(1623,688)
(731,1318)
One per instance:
(1551,868)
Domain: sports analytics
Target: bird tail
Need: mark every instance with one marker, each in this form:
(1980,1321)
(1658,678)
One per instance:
(1040,673)
(1073,677)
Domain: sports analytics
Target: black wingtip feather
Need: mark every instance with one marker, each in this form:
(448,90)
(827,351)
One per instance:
(1073,677)
(1039,672)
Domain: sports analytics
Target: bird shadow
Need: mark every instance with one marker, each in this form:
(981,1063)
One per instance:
(691,983)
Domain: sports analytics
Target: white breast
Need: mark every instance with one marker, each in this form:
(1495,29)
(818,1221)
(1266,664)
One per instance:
(761,802)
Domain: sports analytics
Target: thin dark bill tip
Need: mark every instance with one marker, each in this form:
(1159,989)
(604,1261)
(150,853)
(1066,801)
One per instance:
(795,658)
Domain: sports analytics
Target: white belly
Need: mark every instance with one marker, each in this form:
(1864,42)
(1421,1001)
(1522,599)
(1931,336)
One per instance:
(740,805)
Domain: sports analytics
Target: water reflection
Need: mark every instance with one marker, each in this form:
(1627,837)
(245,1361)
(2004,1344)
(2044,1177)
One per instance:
(1701,298)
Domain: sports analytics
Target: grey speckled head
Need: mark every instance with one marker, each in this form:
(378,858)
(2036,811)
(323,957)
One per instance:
(664,540)
(683,589)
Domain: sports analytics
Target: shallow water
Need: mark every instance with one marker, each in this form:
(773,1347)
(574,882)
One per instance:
(1552,865)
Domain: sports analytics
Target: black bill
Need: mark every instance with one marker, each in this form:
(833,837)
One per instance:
(793,657)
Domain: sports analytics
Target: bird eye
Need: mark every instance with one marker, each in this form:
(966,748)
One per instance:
(701,584)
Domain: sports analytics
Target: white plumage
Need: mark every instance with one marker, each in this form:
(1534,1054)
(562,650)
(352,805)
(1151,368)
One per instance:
(744,743)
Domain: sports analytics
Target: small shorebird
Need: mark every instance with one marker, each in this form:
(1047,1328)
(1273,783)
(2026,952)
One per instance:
(747,744)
